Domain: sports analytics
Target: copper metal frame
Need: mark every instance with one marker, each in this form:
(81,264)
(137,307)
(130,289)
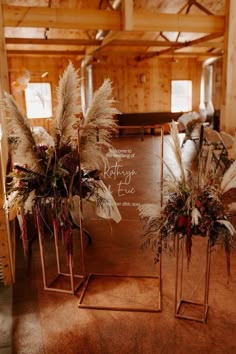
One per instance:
(158,308)
(159,276)
(179,300)
(74,286)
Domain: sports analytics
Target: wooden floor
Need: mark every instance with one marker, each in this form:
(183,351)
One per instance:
(48,322)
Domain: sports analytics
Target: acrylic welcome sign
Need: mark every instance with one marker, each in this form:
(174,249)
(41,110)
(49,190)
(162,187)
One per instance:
(133,172)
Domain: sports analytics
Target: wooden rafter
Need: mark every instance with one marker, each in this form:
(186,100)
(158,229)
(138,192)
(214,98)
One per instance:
(181,46)
(201,7)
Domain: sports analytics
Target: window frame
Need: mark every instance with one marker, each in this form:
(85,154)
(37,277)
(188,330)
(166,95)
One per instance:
(47,98)
(187,106)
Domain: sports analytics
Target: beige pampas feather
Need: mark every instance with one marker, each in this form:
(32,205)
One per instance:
(205,167)
(196,216)
(228,225)
(176,148)
(67,107)
(229,179)
(95,132)
(18,125)
(149,211)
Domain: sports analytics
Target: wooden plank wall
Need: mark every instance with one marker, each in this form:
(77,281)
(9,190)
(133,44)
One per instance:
(153,94)
(138,86)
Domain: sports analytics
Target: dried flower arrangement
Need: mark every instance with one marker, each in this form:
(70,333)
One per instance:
(196,205)
(51,176)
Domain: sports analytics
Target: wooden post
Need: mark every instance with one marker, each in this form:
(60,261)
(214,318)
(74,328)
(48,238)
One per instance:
(6,247)
(228,106)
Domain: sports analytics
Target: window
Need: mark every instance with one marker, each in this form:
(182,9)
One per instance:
(181,95)
(38,100)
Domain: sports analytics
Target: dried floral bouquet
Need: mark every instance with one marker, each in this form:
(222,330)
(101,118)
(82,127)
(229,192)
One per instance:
(196,204)
(52,173)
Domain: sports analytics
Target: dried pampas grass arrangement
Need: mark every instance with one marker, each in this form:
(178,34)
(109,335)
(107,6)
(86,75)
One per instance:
(195,205)
(67,166)
(96,128)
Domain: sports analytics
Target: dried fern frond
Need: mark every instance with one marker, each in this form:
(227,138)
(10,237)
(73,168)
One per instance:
(229,178)
(67,107)
(18,125)
(95,133)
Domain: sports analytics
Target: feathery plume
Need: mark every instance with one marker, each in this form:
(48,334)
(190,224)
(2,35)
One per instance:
(67,107)
(228,225)
(96,128)
(18,125)
(205,167)
(149,211)
(229,178)
(176,148)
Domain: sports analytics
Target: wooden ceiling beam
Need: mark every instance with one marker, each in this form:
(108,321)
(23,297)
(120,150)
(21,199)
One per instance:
(85,19)
(45,52)
(156,22)
(156,54)
(142,43)
(113,43)
(53,41)
(43,17)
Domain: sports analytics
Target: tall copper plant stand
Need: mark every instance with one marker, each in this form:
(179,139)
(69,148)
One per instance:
(187,307)
(67,282)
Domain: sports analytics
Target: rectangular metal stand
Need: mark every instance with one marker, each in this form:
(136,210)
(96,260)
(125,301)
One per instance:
(181,304)
(113,307)
(74,280)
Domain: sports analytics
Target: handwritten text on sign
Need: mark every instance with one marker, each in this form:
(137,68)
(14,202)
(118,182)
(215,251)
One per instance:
(117,172)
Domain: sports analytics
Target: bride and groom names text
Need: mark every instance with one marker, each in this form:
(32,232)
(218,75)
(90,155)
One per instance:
(123,175)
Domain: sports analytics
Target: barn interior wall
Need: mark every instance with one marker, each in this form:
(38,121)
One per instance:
(138,86)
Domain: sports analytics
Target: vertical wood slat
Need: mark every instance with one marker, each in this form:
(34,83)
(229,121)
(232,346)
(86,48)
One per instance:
(5,237)
(228,107)
(127,15)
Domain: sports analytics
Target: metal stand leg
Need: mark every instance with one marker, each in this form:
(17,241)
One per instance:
(180,301)
(70,275)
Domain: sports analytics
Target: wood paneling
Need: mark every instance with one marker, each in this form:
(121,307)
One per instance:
(145,86)
(137,86)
